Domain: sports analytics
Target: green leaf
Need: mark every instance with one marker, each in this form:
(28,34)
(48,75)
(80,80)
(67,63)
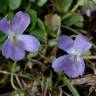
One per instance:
(33,16)
(52,42)
(2,37)
(41,25)
(52,33)
(80,2)
(41,2)
(63,5)
(75,20)
(86,4)
(3,5)
(14,4)
(40,32)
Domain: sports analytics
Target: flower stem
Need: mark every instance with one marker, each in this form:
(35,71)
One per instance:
(12,76)
(70,86)
(69,28)
(20,75)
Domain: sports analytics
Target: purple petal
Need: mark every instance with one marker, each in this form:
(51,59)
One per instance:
(13,51)
(31,43)
(73,69)
(81,44)
(6,48)
(5,26)
(20,22)
(58,64)
(65,43)
(17,51)
(65,63)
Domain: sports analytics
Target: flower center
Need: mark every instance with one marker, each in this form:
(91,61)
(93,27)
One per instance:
(13,37)
(75,55)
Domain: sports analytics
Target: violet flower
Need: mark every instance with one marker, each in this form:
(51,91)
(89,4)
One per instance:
(72,64)
(16,44)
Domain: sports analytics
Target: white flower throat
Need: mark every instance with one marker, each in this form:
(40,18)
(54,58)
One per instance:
(75,55)
(13,37)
